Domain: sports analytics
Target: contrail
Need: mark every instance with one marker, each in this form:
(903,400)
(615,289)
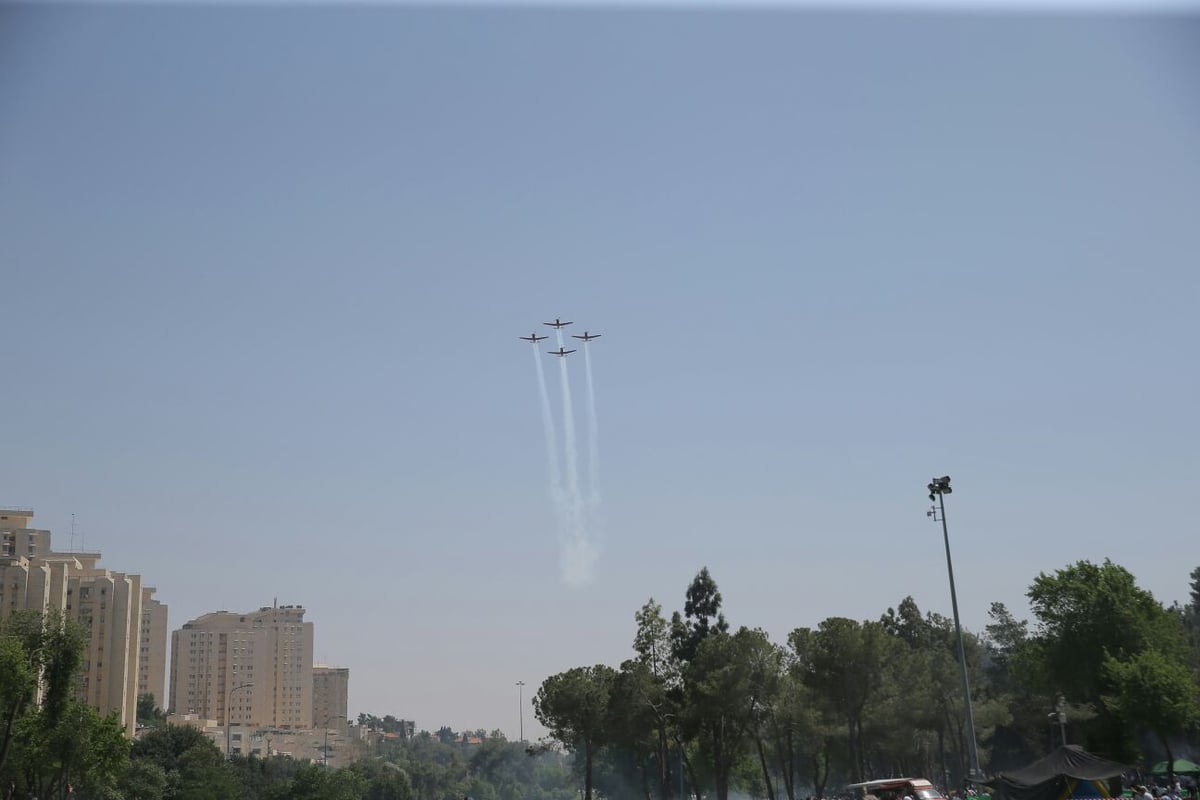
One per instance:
(571,453)
(555,475)
(578,554)
(593,432)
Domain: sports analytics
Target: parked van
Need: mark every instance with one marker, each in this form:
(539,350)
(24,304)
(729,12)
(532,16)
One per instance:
(898,788)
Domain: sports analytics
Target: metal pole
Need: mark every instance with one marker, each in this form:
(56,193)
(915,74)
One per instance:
(228,715)
(972,750)
(1062,718)
(521,708)
(681,794)
(325,750)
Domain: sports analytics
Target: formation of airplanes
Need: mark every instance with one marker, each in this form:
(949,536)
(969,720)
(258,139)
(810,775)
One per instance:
(558,324)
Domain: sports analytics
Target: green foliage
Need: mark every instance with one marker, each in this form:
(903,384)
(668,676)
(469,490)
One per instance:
(18,686)
(574,706)
(1086,612)
(701,616)
(148,712)
(1155,692)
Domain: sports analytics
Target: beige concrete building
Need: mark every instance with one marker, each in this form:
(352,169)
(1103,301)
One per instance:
(152,656)
(245,669)
(106,603)
(17,538)
(331,692)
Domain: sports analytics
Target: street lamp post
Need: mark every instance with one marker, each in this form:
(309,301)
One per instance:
(939,488)
(325,749)
(1061,713)
(521,709)
(228,721)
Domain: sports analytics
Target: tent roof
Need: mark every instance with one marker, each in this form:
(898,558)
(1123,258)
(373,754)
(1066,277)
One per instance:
(1181,765)
(1069,760)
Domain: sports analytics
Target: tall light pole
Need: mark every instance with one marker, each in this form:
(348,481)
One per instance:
(521,709)
(939,488)
(325,750)
(228,714)
(1061,713)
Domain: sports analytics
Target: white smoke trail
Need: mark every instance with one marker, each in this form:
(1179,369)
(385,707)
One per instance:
(593,433)
(578,557)
(554,473)
(572,455)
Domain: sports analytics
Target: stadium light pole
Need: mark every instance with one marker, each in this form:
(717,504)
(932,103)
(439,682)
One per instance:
(521,710)
(938,489)
(325,749)
(229,722)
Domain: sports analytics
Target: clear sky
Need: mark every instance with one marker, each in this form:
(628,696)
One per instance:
(264,267)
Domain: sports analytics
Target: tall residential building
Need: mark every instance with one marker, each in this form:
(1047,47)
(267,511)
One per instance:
(17,538)
(331,692)
(245,669)
(108,604)
(152,659)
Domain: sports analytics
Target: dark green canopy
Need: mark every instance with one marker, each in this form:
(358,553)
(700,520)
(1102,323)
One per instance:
(1182,767)
(1068,772)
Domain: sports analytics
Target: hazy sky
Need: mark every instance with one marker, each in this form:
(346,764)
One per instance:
(263,271)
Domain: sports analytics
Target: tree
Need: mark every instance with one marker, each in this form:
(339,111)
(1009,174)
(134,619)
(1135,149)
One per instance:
(148,712)
(843,662)
(194,766)
(1087,613)
(573,705)
(1155,692)
(658,683)
(18,686)
(701,616)
(721,689)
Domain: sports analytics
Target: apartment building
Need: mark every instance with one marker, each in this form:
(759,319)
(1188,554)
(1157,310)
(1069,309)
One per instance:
(17,538)
(152,656)
(250,669)
(107,603)
(331,692)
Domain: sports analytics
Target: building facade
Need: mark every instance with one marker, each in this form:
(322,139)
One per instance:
(331,693)
(106,603)
(245,669)
(152,657)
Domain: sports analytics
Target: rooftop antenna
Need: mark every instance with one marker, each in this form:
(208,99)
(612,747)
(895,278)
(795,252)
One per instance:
(72,532)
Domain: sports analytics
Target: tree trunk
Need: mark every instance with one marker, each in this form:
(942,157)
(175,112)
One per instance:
(855,771)
(8,729)
(820,776)
(762,759)
(1170,761)
(783,751)
(587,771)
(719,759)
(945,776)
(664,766)
(687,763)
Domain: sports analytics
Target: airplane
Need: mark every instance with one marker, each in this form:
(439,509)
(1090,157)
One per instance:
(533,337)
(558,323)
(560,352)
(587,337)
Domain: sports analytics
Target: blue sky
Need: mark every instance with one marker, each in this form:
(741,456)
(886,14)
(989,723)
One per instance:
(265,267)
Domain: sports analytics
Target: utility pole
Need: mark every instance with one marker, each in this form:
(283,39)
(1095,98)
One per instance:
(939,488)
(521,709)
